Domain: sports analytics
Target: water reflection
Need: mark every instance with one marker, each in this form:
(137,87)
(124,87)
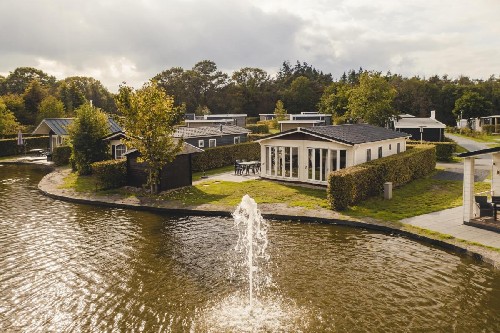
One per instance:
(67,267)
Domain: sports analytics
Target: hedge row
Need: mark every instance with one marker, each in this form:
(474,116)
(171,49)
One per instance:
(222,156)
(61,155)
(9,147)
(110,173)
(444,150)
(349,186)
(258,128)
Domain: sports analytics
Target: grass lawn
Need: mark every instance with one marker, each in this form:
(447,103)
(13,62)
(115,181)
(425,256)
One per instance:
(262,191)
(485,138)
(419,197)
(88,184)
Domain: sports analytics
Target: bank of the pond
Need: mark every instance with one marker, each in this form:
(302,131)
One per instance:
(50,185)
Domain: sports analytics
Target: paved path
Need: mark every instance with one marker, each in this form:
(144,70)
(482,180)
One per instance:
(450,222)
(470,145)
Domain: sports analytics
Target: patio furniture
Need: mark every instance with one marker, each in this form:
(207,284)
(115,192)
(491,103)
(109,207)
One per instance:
(485,208)
(238,168)
(252,165)
(495,201)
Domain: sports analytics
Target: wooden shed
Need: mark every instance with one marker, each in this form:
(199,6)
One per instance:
(174,175)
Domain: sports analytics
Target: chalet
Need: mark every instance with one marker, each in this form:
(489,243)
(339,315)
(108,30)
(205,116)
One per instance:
(310,154)
(212,136)
(56,129)
(217,119)
(427,129)
(116,145)
(174,175)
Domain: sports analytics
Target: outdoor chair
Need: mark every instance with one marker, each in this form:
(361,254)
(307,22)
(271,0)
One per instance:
(485,208)
(238,168)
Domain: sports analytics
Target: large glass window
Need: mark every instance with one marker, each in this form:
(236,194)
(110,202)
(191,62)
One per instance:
(295,162)
(343,159)
(120,150)
(282,161)
(324,169)
(333,160)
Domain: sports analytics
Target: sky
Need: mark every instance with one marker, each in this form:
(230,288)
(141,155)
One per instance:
(131,41)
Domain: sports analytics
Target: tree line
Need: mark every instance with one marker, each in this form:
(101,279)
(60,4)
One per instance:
(28,95)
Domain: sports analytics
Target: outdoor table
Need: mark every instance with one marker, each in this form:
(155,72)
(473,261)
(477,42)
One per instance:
(247,165)
(36,151)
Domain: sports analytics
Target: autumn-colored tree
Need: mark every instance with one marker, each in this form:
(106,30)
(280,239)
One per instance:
(8,122)
(149,118)
(50,107)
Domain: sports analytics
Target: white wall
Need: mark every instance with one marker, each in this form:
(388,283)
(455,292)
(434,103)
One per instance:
(360,150)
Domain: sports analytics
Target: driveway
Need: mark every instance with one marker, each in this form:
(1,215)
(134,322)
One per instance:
(470,145)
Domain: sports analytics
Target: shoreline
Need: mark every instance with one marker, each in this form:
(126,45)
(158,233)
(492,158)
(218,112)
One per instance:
(49,186)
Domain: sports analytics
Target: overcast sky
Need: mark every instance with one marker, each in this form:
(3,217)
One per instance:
(132,40)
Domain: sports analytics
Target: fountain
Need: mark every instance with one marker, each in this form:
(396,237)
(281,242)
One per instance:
(259,307)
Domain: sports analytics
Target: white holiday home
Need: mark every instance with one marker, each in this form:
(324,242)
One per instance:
(310,154)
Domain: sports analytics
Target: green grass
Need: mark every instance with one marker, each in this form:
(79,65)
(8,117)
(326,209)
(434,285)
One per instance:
(481,137)
(419,197)
(88,184)
(262,191)
(198,175)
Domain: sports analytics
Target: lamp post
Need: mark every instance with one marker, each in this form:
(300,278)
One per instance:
(421,133)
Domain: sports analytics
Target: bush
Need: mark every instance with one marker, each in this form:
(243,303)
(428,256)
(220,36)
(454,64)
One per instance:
(9,147)
(444,150)
(252,120)
(218,157)
(349,186)
(259,128)
(61,155)
(110,173)
(488,129)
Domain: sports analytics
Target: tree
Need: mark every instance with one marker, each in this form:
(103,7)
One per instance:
(300,96)
(79,89)
(71,96)
(50,107)
(150,117)
(86,132)
(472,105)
(372,100)
(279,112)
(15,104)
(19,80)
(334,100)
(33,96)
(8,122)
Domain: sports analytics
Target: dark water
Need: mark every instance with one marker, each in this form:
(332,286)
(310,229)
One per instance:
(78,268)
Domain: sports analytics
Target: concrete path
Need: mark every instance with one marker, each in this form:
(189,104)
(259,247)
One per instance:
(450,222)
(470,145)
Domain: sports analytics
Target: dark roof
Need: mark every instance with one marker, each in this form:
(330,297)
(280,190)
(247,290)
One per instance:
(348,133)
(186,149)
(59,125)
(480,152)
(115,136)
(203,131)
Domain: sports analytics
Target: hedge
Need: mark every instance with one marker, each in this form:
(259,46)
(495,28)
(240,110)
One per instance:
(349,186)
(9,147)
(217,157)
(444,150)
(110,173)
(61,155)
(258,128)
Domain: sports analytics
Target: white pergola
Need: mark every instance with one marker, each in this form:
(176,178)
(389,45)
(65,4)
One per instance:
(469,211)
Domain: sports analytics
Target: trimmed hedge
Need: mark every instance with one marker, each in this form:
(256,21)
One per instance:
(9,147)
(218,157)
(110,173)
(444,150)
(349,186)
(61,155)
(258,128)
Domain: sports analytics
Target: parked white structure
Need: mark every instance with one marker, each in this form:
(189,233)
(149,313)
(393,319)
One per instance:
(310,154)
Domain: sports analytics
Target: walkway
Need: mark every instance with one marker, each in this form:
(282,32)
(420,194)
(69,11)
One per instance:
(470,145)
(450,222)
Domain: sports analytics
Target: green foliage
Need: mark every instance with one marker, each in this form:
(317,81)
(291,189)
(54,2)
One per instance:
(258,128)
(18,80)
(9,147)
(76,90)
(110,173)
(472,105)
(349,186)
(371,101)
(218,157)
(61,155)
(444,150)
(50,107)
(8,122)
(33,96)
(150,119)
(15,104)
(86,133)
(335,99)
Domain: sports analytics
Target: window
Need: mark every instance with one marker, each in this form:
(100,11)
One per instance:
(398,148)
(379,152)
(343,159)
(201,143)
(236,139)
(390,147)
(119,151)
(212,142)
(368,155)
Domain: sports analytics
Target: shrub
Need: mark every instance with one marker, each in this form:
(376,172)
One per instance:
(61,155)
(110,173)
(488,129)
(252,120)
(259,128)
(444,150)
(9,147)
(217,157)
(351,185)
